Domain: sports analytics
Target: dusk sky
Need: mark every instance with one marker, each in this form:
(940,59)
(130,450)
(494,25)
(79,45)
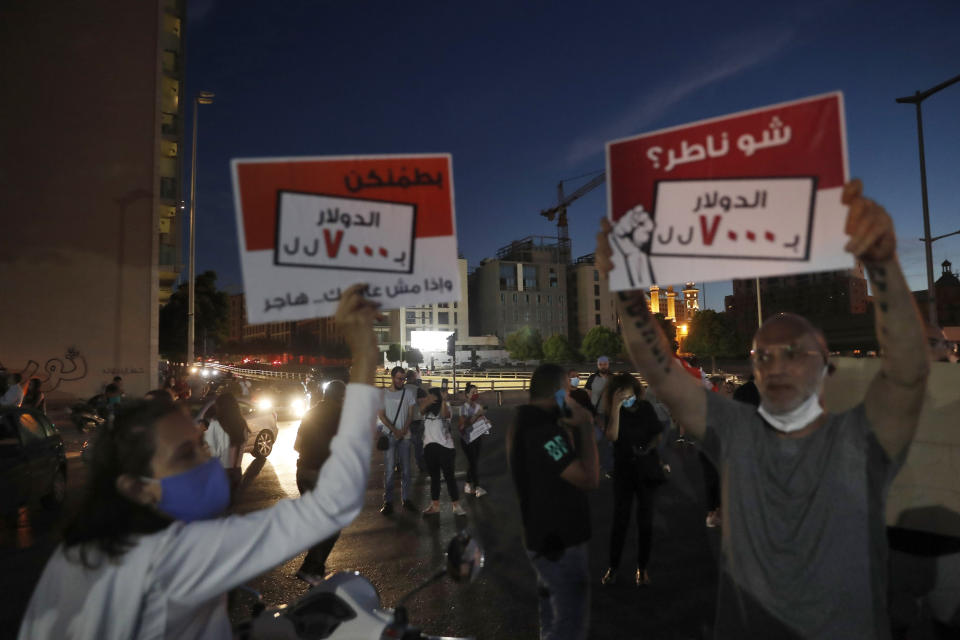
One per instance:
(524,94)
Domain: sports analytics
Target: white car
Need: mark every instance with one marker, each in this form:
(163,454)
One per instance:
(263,427)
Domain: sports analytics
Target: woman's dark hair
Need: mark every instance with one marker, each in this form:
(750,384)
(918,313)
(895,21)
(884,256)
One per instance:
(545,381)
(106,520)
(228,413)
(32,396)
(617,382)
(437,404)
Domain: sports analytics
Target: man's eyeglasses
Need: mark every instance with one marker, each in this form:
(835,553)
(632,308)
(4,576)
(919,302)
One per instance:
(787,352)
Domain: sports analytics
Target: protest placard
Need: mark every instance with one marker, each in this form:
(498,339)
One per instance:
(311,227)
(755,193)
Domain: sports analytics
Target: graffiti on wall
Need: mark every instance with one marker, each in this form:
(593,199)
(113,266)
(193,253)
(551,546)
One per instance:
(72,366)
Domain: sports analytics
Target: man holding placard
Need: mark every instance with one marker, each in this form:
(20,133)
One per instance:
(804,538)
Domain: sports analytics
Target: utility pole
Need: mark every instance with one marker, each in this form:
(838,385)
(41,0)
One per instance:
(917,99)
(204,97)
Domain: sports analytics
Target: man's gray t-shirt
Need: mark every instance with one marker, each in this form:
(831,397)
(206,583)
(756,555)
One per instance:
(804,535)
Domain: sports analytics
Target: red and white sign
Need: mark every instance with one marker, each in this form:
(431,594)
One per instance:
(311,227)
(755,193)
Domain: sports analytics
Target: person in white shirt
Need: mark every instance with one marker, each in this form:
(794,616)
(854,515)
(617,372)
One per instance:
(439,452)
(397,414)
(470,413)
(148,555)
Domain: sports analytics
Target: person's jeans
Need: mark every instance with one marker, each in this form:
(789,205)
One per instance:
(441,459)
(416,439)
(399,451)
(472,451)
(563,587)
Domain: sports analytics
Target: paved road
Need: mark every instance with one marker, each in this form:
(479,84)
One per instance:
(396,553)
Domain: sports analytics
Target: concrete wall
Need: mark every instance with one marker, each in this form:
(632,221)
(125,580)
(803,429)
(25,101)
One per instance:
(926,493)
(78,129)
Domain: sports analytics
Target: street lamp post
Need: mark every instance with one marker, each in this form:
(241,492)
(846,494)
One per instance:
(204,97)
(917,99)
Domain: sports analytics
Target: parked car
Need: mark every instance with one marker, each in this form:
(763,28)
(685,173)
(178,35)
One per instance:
(33,460)
(262,423)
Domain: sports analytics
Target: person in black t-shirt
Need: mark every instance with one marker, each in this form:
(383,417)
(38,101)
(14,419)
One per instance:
(317,428)
(634,429)
(551,476)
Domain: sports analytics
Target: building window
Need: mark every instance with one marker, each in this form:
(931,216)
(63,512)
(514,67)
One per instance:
(455,321)
(502,298)
(529,276)
(508,277)
(596,289)
(443,317)
(596,276)
(411,317)
(526,298)
(559,299)
(443,305)
(597,317)
(514,297)
(538,298)
(424,317)
(554,282)
(549,301)
(561,315)
(596,305)
(454,305)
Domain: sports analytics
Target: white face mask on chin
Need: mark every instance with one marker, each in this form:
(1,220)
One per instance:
(796,419)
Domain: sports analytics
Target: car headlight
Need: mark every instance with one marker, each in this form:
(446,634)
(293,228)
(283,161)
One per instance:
(298,407)
(205,373)
(193,369)
(264,404)
(325,385)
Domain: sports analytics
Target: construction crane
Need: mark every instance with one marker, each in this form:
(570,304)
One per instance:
(563,201)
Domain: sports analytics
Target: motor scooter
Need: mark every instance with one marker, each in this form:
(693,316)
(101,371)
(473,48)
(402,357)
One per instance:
(347,606)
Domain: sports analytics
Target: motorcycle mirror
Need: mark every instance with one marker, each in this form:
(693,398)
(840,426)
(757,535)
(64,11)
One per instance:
(464,558)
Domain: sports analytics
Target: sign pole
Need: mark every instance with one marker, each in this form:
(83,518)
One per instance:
(759,310)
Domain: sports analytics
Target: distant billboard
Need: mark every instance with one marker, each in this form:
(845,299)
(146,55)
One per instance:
(429,340)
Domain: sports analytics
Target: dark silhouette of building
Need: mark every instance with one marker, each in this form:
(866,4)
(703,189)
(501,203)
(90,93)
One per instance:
(947,288)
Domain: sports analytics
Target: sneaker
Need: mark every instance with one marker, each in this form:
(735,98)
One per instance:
(468,488)
(310,578)
(458,510)
(643,578)
(480,491)
(387,509)
(434,508)
(409,506)
(610,577)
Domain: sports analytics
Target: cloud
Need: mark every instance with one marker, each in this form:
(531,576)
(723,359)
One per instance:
(734,57)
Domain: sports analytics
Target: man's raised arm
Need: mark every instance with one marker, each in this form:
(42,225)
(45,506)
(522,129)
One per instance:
(893,400)
(650,352)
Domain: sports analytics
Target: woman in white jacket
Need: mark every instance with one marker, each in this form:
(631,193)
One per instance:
(148,556)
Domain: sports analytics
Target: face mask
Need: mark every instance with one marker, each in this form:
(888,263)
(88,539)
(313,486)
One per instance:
(574,382)
(808,411)
(201,493)
(629,402)
(474,397)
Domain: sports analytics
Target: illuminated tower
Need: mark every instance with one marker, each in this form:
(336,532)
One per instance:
(671,304)
(654,299)
(691,299)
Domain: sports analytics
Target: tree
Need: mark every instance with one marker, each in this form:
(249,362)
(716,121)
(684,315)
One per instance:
(711,335)
(412,357)
(601,341)
(557,348)
(393,353)
(524,344)
(211,318)
(669,330)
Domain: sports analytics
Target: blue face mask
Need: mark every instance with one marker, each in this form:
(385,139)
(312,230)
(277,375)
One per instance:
(629,402)
(201,493)
(561,397)
(114,400)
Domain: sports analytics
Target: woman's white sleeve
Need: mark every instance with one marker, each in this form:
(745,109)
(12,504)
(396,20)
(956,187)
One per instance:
(205,559)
